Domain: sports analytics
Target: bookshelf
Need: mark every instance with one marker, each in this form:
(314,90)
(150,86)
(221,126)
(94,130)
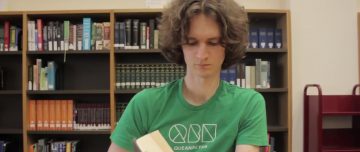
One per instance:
(11,93)
(90,76)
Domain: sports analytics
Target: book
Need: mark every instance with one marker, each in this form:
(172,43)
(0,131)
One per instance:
(1,37)
(86,39)
(262,37)
(152,142)
(278,38)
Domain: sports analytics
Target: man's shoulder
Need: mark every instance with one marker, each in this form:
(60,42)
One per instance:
(236,90)
(160,92)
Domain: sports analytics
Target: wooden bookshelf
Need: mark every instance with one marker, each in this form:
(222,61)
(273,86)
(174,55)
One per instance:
(358,25)
(91,76)
(11,95)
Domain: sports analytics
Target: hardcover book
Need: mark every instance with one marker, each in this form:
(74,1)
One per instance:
(152,142)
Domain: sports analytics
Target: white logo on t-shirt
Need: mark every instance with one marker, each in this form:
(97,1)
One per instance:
(194,133)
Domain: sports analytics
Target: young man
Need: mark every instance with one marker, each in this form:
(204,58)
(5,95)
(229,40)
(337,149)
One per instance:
(199,113)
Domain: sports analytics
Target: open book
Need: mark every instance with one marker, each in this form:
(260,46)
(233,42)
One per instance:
(152,142)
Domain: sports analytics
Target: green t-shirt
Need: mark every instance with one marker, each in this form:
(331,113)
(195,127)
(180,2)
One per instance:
(233,116)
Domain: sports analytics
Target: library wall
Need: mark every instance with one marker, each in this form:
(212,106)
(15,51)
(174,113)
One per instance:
(324,41)
(113,4)
(324,46)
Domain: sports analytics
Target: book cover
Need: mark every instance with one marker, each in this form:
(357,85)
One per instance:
(117,35)
(270,37)
(39,25)
(39,115)
(106,37)
(6,35)
(86,39)
(122,35)
(1,38)
(50,35)
(32,115)
(278,38)
(52,110)
(262,37)
(254,38)
(152,142)
(135,34)
(46,116)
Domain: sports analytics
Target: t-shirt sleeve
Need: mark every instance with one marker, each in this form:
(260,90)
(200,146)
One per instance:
(253,128)
(130,126)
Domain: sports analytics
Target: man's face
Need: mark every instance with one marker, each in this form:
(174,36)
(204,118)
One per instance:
(203,53)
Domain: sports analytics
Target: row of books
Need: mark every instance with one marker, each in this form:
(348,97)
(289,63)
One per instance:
(265,38)
(137,76)
(45,145)
(42,78)
(64,35)
(136,34)
(10,37)
(120,108)
(66,115)
(249,76)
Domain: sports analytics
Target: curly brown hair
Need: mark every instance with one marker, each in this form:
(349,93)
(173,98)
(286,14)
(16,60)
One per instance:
(232,20)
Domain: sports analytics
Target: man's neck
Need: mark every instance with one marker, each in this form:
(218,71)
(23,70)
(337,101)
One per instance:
(198,91)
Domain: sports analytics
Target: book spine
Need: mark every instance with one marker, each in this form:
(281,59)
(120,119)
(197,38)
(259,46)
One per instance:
(262,37)
(135,34)
(117,35)
(6,35)
(66,35)
(39,24)
(86,40)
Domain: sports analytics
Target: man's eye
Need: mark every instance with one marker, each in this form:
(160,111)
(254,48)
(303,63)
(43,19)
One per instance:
(191,43)
(213,43)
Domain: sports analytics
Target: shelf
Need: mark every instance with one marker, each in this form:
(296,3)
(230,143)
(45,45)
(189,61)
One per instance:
(277,129)
(271,90)
(70,132)
(274,90)
(68,52)
(10,92)
(337,149)
(137,51)
(68,92)
(266,50)
(127,91)
(10,131)
(2,53)
(341,113)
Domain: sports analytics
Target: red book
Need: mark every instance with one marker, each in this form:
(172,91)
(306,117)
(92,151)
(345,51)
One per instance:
(40,34)
(6,36)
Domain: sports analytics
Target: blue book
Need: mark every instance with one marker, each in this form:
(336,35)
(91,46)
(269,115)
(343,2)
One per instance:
(223,75)
(278,38)
(270,37)
(51,75)
(232,75)
(254,38)
(262,37)
(86,41)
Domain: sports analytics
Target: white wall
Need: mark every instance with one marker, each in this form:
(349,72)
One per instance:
(324,40)
(3,5)
(116,4)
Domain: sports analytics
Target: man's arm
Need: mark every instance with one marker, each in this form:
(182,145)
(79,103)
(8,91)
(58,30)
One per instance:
(115,148)
(247,148)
